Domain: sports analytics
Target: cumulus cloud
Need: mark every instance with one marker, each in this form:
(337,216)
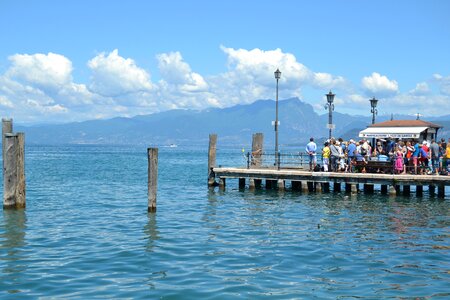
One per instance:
(177,72)
(40,87)
(113,75)
(443,82)
(47,71)
(379,85)
(421,89)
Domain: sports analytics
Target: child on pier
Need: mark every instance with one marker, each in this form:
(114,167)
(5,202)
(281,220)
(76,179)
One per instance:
(399,166)
(326,156)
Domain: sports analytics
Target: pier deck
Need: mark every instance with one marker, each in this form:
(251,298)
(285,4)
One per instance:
(315,181)
(302,175)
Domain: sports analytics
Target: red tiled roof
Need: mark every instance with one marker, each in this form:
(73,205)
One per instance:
(406,123)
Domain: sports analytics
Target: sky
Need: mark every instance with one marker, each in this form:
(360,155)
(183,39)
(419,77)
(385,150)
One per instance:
(76,60)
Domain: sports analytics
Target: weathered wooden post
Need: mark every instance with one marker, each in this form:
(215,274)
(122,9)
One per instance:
(6,128)
(256,157)
(212,159)
(152,154)
(257,149)
(14,171)
(441,191)
(280,184)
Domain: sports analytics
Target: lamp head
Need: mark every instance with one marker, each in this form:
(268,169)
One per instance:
(277,74)
(330,97)
(373,102)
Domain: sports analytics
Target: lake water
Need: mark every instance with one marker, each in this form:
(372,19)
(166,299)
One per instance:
(86,234)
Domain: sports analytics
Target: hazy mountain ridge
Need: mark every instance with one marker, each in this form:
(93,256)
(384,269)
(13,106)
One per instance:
(234,125)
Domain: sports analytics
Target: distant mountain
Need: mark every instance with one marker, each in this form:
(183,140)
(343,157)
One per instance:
(234,125)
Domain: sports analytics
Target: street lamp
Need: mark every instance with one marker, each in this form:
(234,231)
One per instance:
(277,77)
(374,111)
(330,106)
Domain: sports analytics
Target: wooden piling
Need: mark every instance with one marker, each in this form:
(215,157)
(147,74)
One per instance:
(384,189)
(406,190)
(241,183)
(441,191)
(304,186)
(152,154)
(419,190)
(222,183)
(7,127)
(212,159)
(432,190)
(296,185)
(392,190)
(14,171)
(280,184)
(354,189)
(336,187)
(257,149)
(318,187)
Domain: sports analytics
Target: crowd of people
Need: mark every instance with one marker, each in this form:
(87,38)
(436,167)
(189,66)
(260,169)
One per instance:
(406,156)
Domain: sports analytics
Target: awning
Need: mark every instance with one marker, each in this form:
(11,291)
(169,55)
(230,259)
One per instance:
(392,132)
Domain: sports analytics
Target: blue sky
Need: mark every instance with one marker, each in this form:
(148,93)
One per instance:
(76,60)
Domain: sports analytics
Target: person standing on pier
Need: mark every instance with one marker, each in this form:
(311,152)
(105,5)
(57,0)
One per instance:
(434,153)
(334,155)
(326,156)
(311,149)
(351,152)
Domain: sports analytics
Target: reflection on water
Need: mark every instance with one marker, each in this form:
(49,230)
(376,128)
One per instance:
(151,232)
(12,244)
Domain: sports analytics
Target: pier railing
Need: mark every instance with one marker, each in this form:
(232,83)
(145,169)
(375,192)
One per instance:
(300,160)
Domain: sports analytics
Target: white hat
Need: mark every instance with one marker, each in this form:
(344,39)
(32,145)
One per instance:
(352,141)
(424,142)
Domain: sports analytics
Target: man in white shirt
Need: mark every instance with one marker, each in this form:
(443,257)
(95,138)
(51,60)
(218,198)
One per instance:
(311,149)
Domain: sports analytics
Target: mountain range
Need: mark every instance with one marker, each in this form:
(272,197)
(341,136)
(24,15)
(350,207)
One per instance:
(234,126)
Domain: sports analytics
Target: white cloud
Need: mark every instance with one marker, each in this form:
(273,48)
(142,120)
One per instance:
(113,75)
(421,89)
(178,73)
(40,87)
(444,83)
(46,71)
(379,85)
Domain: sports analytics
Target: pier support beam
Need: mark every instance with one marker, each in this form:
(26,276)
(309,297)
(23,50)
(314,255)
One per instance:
(432,190)
(212,159)
(326,187)
(441,191)
(222,183)
(296,185)
(354,189)
(419,190)
(406,190)
(241,183)
(305,188)
(280,184)
(368,188)
(392,190)
(14,170)
(251,184)
(384,189)
(318,187)
(337,187)
(152,154)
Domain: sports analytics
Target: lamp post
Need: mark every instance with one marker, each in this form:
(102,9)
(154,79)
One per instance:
(330,106)
(277,77)
(374,111)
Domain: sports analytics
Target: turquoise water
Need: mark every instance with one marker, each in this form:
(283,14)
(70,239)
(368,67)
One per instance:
(86,234)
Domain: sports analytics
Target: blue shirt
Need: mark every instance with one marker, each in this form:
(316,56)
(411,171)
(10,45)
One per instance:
(416,150)
(311,147)
(351,150)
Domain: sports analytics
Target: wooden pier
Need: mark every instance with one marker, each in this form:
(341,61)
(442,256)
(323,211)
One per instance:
(320,181)
(270,177)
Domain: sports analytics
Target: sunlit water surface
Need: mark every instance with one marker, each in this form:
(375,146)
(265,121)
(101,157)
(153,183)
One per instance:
(86,234)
